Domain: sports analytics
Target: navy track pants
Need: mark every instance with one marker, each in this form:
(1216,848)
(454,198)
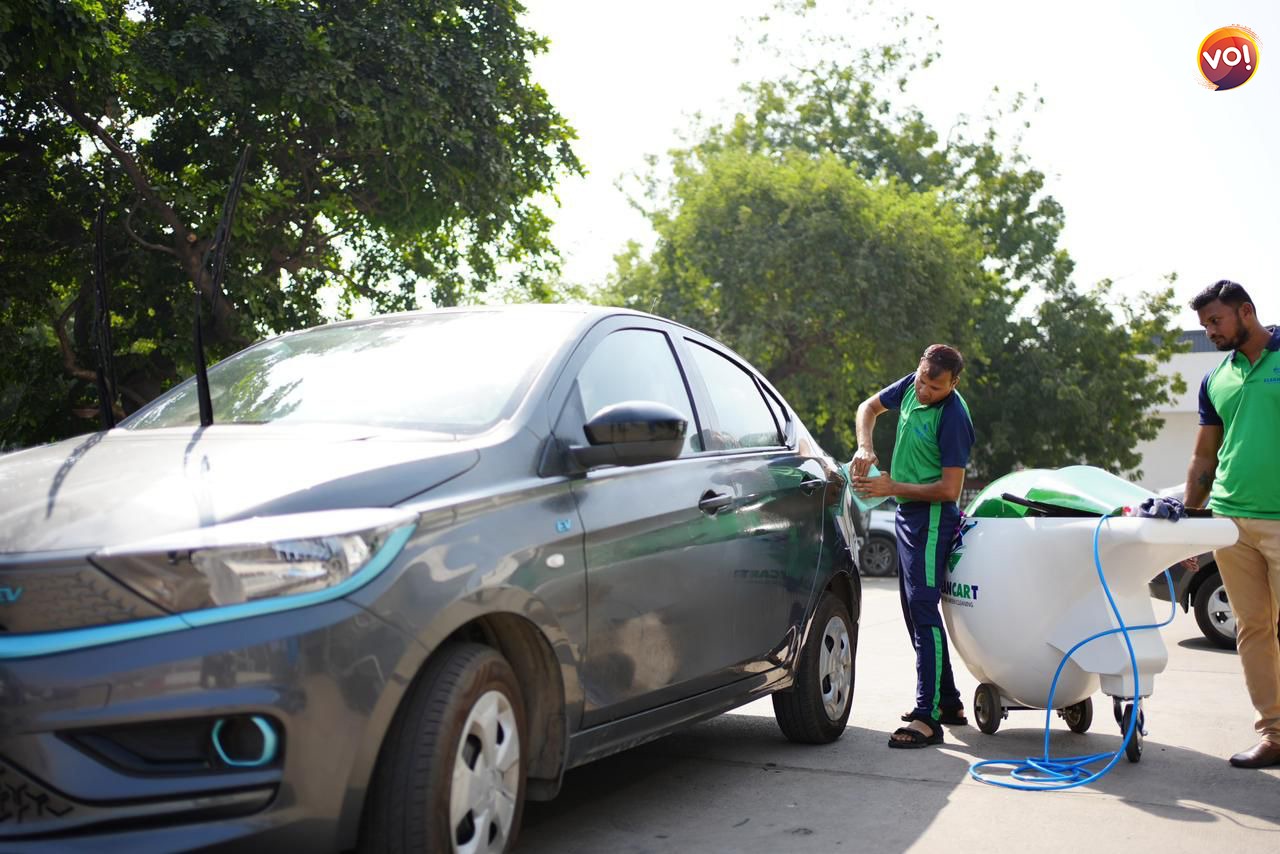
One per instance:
(925,534)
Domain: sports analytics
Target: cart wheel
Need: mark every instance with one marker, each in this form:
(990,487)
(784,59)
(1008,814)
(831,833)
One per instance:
(1079,717)
(1133,750)
(987,708)
(1117,710)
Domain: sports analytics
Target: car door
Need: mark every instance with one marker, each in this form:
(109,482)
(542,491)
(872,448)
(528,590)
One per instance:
(657,625)
(778,491)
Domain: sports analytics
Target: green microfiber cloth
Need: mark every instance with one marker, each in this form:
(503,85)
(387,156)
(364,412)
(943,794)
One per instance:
(863,504)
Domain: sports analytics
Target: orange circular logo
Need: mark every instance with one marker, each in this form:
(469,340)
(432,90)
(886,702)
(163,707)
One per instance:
(1229,57)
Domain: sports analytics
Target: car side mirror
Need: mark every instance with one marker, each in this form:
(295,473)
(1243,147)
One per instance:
(631,433)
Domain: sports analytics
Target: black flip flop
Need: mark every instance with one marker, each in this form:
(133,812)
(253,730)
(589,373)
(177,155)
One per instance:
(914,738)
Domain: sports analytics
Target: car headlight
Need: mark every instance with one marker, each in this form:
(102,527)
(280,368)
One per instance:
(287,560)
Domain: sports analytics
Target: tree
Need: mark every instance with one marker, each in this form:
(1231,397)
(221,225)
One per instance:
(802,265)
(392,143)
(1062,381)
(1072,383)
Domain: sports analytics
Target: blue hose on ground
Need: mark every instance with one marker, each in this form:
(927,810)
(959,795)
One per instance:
(1045,774)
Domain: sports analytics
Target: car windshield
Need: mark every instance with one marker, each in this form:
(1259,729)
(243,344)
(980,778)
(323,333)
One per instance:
(452,372)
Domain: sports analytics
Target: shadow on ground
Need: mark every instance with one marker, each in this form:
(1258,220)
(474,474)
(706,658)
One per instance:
(734,784)
(1203,645)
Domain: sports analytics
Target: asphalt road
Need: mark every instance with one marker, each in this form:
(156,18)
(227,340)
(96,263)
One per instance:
(734,784)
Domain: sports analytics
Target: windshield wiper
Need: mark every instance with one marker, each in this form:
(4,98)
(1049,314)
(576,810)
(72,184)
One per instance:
(218,251)
(102,325)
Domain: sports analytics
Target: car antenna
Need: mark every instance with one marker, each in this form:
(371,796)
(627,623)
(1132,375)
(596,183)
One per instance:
(218,253)
(106,372)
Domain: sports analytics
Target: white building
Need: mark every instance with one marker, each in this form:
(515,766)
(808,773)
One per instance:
(1165,458)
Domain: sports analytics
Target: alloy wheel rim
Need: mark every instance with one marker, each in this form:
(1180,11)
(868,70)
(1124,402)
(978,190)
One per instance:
(879,557)
(835,668)
(486,777)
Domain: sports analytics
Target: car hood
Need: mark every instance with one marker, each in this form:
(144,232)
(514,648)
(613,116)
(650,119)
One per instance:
(124,485)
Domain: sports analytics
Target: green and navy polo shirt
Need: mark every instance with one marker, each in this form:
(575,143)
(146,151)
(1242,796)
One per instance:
(1244,400)
(930,438)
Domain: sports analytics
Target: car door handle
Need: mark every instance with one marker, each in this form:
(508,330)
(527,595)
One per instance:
(810,486)
(713,502)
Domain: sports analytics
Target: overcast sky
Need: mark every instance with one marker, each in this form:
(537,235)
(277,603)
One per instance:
(1156,173)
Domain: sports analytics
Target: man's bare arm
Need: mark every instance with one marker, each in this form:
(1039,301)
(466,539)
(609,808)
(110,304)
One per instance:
(865,457)
(1204,463)
(946,489)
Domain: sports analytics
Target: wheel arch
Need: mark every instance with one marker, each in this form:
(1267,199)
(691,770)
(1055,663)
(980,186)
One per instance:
(542,682)
(1198,580)
(522,629)
(847,587)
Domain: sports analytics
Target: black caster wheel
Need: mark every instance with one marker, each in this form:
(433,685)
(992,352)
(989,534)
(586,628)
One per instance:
(1079,716)
(1133,750)
(1117,709)
(987,708)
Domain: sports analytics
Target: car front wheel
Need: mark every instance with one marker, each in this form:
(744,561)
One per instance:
(451,774)
(815,708)
(1213,613)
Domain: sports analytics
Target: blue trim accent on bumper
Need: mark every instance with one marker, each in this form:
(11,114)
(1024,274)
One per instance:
(269,744)
(48,643)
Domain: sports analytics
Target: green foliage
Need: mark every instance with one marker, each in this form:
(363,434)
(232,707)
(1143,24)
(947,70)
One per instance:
(803,266)
(1072,383)
(830,234)
(394,143)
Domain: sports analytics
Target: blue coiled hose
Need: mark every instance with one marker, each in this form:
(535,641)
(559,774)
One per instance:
(1045,774)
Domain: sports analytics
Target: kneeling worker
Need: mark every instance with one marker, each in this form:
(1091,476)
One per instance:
(935,436)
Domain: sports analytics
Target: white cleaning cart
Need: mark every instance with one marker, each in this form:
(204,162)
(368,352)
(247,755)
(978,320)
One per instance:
(1022,590)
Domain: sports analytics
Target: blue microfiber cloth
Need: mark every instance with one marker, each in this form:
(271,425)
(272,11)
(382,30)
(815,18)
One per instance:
(1162,508)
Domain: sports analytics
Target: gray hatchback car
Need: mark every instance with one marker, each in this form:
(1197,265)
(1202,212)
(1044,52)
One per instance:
(418,567)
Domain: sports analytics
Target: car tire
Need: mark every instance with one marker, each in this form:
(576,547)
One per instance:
(465,709)
(879,556)
(816,707)
(1213,613)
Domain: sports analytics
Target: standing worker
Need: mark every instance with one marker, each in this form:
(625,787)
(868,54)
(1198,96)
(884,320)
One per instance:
(934,439)
(1236,467)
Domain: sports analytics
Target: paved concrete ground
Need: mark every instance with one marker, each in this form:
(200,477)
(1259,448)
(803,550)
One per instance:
(734,784)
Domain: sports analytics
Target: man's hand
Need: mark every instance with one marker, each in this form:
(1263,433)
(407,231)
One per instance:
(863,460)
(1192,564)
(875,487)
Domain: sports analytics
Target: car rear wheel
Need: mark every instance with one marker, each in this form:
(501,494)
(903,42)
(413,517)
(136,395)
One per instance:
(879,556)
(451,775)
(1213,613)
(816,707)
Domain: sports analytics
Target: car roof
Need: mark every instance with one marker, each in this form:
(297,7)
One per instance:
(590,313)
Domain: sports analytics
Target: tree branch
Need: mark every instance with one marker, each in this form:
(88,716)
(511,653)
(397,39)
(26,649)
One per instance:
(185,250)
(126,161)
(73,368)
(155,247)
(64,344)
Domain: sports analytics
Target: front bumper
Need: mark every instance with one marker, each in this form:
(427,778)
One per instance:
(322,677)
